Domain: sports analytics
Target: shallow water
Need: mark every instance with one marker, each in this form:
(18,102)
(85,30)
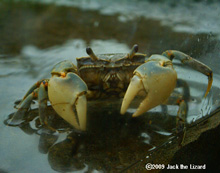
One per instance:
(35,36)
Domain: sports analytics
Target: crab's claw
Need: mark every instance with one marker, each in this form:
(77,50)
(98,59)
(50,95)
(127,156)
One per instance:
(157,78)
(67,94)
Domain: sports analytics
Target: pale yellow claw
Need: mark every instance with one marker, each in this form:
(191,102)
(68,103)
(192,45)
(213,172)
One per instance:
(157,77)
(133,89)
(81,108)
(67,97)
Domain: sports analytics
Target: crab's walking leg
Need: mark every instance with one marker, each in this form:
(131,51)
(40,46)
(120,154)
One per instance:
(36,85)
(37,91)
(42,101)
(23,107)
(183,111)
(195,64)
(186,92)
(182,101)
(181,120)
(174,99)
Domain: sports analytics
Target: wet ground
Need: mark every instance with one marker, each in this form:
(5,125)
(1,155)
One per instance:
(35,36)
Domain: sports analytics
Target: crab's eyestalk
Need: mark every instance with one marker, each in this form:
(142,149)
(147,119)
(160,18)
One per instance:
(90,52)
(133,51)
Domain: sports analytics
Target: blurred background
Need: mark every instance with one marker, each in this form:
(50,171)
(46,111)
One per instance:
(37,34)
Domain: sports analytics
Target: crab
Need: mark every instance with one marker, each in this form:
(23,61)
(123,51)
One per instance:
(121,75)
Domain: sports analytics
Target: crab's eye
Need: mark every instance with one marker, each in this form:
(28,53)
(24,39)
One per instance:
(165,64)
(133,51)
